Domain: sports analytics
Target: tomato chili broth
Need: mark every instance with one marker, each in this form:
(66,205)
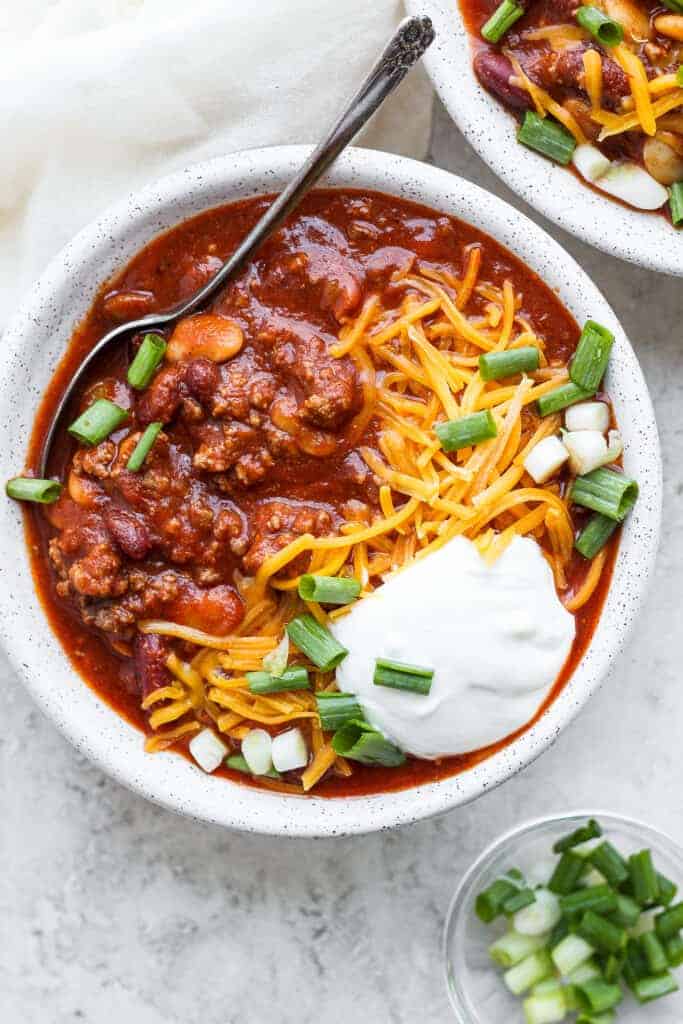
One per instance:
(167,267)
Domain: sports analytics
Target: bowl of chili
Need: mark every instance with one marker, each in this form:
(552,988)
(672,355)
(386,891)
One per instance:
(508,88)
(48,650)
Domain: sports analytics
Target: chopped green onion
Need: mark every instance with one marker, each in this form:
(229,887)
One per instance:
(400,676)
(512,948)
(590,360)
(599,898)
(566,875)
(595,535)
(316,642)
(143,447)
(654,952)
(469,430)
(560,398)
(528,972)
(358,741)
(609,863)
(581,835)
(607,31)
(498,365)
(98,422)
(490,903)
(559,932)
(612,965)
(587,970)
(28,488)
(601,933)
(605,491)
(669,922)
(676,198)
(636,964)
(571,953)
(522,898)
(328,589)
(547,137)
(545,1007)
(238,764)
(501,20)
(679,73)
(147,359)
(626,912)
(293,678)
(596,995)
(667,889)
(643,878)
(608,1017)
(336,709)
(647,989)
(674,950)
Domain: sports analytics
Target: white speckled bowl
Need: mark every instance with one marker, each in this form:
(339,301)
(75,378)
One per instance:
(32,345)
(646,239)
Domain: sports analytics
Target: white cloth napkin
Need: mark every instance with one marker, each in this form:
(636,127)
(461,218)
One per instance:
(99,97)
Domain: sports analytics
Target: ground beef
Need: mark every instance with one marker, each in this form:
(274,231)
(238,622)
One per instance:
(277,523)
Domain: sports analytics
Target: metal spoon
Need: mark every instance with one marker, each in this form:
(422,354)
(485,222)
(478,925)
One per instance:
(406,46)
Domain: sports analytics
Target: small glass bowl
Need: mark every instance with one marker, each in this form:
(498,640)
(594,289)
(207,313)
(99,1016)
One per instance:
(475,986)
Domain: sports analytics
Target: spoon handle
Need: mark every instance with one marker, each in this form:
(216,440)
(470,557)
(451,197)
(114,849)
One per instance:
(404,49)
(406,46)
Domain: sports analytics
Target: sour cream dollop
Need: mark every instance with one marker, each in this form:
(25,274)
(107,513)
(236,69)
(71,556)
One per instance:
(496,636)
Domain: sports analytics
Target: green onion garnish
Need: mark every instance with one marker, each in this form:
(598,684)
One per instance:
(238,764)
(676,196)
(626,912)
(143,447)
(605,491)
(489,904)
(581,835)
(599,898)
(316,642)
(674,5)
(670,922)
(358,741)
(674,950)
(602,934)
(654,952)
(609,863)
(595,535)
(498,365)
(607,31)
(592,354)
(643,877)
(522,898)
(98,422)
(547,137)
(567,874)
(501,20)
(328,589)
(596,995)
(399,676)
(667,890)
(469,430)
(293,678)
(647,989)
(679,73)
(147,359)
(336,709)
(560,398)
(28,488)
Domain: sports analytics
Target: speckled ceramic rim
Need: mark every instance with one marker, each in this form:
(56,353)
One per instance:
(460,903)
(35,339)
(641,238)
